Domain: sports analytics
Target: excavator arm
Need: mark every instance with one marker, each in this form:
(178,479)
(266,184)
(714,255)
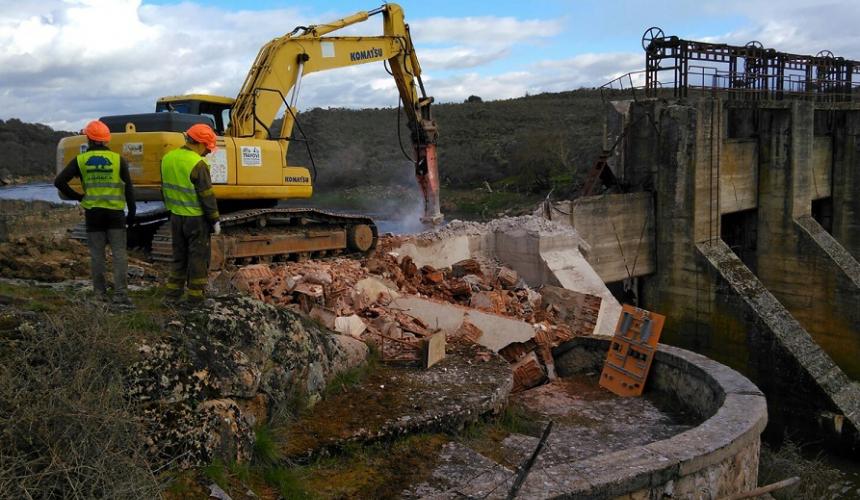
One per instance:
(274,82)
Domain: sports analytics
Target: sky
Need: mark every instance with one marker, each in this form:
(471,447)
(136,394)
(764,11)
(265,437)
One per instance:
(65,62)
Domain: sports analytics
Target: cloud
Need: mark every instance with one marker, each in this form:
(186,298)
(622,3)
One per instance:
(65,62)
(586,70)
(483,31)
(798,26)
(460,57)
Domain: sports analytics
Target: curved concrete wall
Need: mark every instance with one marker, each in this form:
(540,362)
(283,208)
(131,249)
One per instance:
(713,460)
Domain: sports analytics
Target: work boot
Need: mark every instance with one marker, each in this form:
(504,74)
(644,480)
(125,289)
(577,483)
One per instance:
(100,296)
(172,298)
(192,301)
(122,301)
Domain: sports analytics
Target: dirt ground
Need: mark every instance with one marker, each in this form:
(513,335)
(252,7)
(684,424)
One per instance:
(35,242)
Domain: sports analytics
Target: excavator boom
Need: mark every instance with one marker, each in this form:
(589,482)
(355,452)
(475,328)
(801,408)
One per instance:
(282,63)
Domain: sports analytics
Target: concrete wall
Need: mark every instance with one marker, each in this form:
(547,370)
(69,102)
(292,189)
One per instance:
(846,182)
(806,390)
(791,263)
(713,460)
(822,167)
(619,229)
(738,175)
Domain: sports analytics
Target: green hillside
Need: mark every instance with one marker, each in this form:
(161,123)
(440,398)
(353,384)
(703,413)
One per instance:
(519,149)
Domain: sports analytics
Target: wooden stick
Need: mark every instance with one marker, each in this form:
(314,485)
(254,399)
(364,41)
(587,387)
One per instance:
(761,490)
(527,467)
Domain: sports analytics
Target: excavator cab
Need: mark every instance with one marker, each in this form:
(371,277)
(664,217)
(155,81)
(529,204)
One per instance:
(216,108)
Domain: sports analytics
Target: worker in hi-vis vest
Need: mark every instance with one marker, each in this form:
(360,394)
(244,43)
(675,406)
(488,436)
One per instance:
(107,193)
(187,190)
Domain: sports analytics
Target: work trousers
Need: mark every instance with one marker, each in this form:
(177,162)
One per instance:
(96,241)
(190,255)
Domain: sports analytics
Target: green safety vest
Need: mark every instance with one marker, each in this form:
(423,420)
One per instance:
(180,197)
(100,178)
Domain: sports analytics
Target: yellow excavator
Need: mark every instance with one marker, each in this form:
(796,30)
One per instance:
(249,171)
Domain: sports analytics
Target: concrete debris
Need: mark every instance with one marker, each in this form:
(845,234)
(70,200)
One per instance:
(383,300)
(528,373)
(529,223)
(375,290)
(508,278)
(352,325)
(324,316)
(216,492)
(466,267)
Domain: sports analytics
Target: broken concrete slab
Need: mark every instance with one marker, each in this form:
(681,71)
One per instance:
(572,271)
(442,252)
(352,325)
(464,473)
(434,349)
(375,290)
(394,400)
(499,331)
(539,251)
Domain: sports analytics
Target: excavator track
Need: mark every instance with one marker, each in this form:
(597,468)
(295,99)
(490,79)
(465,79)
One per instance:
(271,234)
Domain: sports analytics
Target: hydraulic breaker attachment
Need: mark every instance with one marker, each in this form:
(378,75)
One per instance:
(427,173)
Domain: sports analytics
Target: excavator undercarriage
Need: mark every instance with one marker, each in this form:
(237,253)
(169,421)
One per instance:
(276,234)
(262,235)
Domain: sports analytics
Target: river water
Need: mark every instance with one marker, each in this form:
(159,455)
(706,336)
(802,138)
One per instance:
(397,223)
(32,192)
(47,192)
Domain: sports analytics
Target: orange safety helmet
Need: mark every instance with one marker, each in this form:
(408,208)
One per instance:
(97,131)
(203,134)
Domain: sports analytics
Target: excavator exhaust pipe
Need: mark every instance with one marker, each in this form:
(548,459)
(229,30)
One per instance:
(427,173)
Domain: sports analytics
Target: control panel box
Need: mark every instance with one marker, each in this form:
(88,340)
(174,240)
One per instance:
(632,351)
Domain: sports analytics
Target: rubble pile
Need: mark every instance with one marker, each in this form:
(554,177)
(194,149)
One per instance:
(355,298)
(528,223)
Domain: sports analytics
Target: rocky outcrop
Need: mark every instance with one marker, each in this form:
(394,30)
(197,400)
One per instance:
(223,368)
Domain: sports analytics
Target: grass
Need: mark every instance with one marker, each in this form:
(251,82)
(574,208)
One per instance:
(266,450)
(217,473)
(287,481)
(343,381)
(480,204)
(69,429)
(816,476)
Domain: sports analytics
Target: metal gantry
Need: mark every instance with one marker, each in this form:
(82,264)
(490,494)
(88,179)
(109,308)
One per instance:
(750,70)
(676,66)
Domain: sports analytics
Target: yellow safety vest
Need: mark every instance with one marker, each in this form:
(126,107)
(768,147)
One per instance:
(103,187)
(180,196)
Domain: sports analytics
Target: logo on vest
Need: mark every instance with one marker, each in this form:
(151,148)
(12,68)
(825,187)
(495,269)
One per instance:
(98,164)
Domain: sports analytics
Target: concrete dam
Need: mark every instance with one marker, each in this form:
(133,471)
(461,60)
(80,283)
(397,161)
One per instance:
(734,209)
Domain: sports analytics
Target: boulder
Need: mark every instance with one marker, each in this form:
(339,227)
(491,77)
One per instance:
(221,368)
